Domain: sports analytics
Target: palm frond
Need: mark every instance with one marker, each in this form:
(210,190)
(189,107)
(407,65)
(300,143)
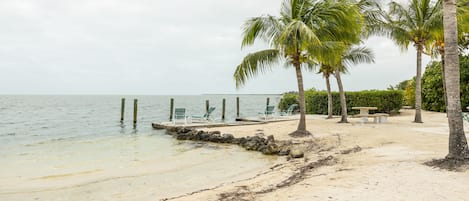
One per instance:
(357,55)
(265,27)
(296,34)
(255,63)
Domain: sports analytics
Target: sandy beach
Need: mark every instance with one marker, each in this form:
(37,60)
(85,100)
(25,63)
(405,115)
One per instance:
(352,161)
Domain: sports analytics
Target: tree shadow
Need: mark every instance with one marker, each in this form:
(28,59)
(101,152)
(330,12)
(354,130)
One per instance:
(450,164)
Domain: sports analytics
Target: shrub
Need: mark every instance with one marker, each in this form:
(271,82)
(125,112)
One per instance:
(287,100)
(433,98)
(409,93)
(386,101)
(432,86)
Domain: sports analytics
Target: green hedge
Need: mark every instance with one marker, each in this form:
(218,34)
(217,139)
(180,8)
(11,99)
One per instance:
(316,101)
(287,100)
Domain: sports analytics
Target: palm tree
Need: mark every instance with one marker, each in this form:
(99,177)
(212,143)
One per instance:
(371,15)
(327,71)
(295,38)
(414,23)
(353,56)
(458,148)
(437,37)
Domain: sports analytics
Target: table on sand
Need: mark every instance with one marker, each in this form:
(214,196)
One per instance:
(364,110)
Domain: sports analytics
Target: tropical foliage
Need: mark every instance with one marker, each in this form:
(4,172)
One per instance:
(432,86)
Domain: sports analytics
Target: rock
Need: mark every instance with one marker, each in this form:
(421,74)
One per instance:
(182,136)
(296,152)
(227,138)
(270,139)
(171,130)
(284,148)
(269,149)
(258,140)
(214,133)
(184,130)
(250,145)
(214,137)
(241,141)
(283,151)
(236,141)
(204,136)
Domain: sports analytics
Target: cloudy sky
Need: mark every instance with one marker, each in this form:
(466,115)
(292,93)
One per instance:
(154,47)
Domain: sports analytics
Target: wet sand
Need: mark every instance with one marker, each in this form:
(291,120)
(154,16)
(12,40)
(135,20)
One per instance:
(146,176)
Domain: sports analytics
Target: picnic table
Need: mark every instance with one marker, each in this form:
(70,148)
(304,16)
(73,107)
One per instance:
(365,113)
(364,110)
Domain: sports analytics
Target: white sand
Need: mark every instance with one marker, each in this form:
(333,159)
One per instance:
(388,168)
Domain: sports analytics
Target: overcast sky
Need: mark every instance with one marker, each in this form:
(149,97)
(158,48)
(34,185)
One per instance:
(154,47)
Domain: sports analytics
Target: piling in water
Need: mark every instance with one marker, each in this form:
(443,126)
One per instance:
(206,105)
(268,101)
(135,112)
(237,106)
(223,110)
(122,109)
(171,109)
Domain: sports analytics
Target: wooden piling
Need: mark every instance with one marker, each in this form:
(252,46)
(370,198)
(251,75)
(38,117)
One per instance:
(268,101)
(122,109)
(171,109)
(237,106)
(223,110)
(135,112)
(206,105)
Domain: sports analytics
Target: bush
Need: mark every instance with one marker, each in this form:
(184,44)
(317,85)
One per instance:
(433,97)
(316,101)
(432,86)
(409,93)
(287,100)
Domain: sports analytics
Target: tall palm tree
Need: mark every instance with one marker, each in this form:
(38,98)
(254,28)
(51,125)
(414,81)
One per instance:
(437,37)
(353,56)
(294,38)
(458,148)
(413,23)
(371,16)
(327,71)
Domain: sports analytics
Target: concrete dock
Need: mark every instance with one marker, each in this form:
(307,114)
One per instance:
(212,124)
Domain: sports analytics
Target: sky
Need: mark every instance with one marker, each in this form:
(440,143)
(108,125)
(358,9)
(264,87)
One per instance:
(156,47)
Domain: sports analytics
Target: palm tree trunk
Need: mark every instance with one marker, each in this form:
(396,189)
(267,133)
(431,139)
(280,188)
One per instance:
(343,103)
(442,53)
(458,148)
(301,130)
(329,98)
(418,86)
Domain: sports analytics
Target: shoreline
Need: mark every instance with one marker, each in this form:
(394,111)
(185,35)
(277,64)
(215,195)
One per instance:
(352,161)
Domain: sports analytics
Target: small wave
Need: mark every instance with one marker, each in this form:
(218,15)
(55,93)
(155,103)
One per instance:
(58,176)
(49,141)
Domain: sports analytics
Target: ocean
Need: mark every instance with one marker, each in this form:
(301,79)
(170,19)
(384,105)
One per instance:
(74,147)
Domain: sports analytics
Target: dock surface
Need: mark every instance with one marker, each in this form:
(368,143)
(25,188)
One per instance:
(212,124)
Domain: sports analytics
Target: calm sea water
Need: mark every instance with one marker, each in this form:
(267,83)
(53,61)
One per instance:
(48,143)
